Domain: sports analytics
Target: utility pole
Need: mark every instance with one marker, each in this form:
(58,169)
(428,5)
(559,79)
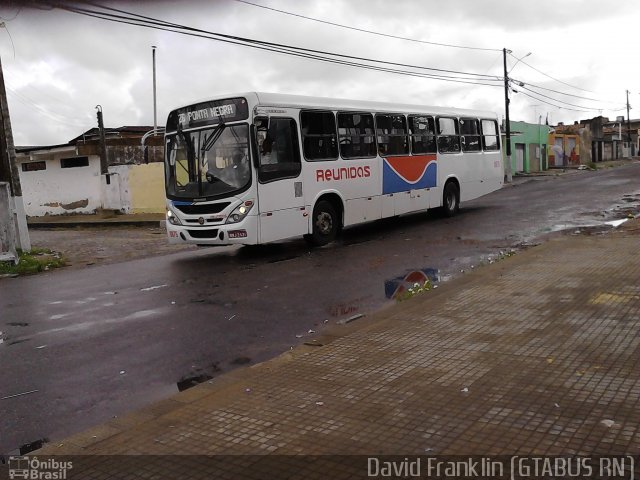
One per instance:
(104,168)
(628,126)
(155,115)
(507,166)
(9,171)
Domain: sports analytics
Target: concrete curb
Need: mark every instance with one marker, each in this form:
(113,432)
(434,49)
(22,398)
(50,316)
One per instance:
(99,223)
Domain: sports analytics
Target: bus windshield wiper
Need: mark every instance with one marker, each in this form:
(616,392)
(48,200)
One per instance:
(213,138)
(208,143)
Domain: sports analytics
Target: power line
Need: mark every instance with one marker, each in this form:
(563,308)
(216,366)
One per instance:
(341,59)
(556,100)
(397,37)
(4,25)
(14,17)
(563,93)
(437,44)
(553,78)
(552,104)
(30,103)
(155,21)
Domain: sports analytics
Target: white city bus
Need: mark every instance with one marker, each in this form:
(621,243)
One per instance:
(254,168)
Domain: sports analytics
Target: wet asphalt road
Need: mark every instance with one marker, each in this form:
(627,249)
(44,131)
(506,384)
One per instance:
(98,342)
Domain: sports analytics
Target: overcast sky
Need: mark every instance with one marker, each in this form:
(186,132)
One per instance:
(59,65)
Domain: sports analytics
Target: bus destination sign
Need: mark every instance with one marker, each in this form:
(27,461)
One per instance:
(208,113)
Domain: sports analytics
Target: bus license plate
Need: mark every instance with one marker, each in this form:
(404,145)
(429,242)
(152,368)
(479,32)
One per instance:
(237,234)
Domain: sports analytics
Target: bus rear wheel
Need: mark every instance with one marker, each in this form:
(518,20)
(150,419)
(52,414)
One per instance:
(450,199)
(325,224)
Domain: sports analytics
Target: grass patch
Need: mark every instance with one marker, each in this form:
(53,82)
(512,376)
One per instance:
(415,290)
(36,261)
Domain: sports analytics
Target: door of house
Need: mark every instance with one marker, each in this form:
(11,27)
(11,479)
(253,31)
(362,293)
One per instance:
(534,157)
(558,151)
(572,151)
(519,157)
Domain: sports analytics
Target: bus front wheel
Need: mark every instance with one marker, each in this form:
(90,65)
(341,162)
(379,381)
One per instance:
(325,224)
(450,199)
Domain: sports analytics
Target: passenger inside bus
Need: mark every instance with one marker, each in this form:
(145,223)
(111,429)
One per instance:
(267,155)
(234,173)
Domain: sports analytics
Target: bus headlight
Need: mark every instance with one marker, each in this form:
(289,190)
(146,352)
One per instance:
(240,212)
(172,218)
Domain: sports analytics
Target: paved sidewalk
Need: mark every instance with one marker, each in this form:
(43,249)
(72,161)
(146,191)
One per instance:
(535,354)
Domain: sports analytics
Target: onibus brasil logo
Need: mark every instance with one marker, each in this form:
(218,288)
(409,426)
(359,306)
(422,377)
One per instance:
(31,468)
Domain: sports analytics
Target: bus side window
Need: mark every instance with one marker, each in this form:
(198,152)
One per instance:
(391,130)
(278,150)
(490,135)
(319,138)
(470,131)
(448,135)
(423,134)
(356,135)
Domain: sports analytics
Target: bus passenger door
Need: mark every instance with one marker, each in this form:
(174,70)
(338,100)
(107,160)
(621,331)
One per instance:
(280,195)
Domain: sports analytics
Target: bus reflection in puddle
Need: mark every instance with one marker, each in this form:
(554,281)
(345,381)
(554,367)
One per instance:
(396,287)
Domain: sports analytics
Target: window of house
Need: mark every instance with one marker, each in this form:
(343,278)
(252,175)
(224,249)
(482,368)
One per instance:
(490,135)
(423,134)
(74,162)
(470,134)
(448,135)
(356,135)
(34,166)
(391,130)
(319,137)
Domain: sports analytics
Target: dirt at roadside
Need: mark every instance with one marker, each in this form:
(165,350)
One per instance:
(83,246)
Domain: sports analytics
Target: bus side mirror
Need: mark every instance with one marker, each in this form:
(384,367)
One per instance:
(262,123)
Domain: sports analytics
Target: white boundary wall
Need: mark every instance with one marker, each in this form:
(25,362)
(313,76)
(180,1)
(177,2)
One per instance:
(7,227)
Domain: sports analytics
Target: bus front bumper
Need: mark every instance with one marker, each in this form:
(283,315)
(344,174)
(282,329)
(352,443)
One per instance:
(242,233)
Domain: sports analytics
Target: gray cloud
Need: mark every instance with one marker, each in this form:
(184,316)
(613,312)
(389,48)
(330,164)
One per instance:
(65,63)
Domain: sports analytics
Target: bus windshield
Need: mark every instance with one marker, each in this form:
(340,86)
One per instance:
(208,163)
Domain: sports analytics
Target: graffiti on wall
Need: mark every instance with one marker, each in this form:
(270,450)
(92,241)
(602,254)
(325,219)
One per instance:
(564,150)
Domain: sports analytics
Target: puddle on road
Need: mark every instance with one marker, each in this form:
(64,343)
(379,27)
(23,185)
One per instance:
(197,376)
(616,223)
(241,361)
(187,382)
(153,287)
(626,208)
(282,259)
(577,226)
(396,287)
(35,445)
(348,307)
